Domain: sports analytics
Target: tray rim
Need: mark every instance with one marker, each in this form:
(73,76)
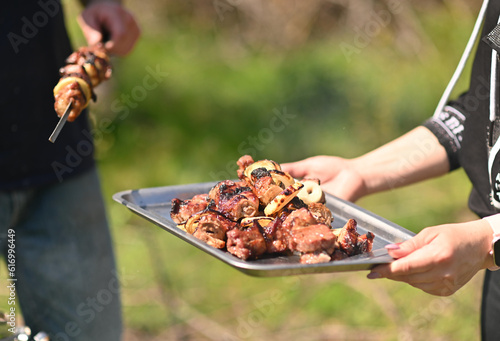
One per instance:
(355,263)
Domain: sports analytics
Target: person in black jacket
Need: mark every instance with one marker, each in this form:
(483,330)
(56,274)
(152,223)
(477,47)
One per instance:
(463,133)
(53,228)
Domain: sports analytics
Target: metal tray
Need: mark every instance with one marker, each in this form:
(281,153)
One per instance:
(154,204)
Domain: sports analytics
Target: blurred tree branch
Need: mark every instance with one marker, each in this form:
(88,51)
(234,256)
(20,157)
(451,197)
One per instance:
(289,24)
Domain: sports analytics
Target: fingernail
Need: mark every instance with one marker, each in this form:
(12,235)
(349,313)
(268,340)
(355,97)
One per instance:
(373,275)
(392,247)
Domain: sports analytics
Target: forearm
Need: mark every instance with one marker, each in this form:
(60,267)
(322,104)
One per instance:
(413,157)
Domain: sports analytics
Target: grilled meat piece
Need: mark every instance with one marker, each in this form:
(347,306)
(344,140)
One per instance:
(210,227)
(315,258)
(182,210)
(246,242)
(338,255)
(234,200)
(239,206)
(72,90)
(76,71)
(265,187)
(321,213)
(95,60)
(348,237)
(84,70)
(298,219)
(365,242)
(243,162)
(312,238)
(276,236)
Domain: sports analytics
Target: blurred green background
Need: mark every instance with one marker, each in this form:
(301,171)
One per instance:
(204,85)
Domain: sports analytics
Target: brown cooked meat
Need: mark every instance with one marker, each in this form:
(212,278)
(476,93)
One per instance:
(312,238)
(182,210)
(246,242)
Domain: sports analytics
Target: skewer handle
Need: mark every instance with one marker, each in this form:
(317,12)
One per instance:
(62,121)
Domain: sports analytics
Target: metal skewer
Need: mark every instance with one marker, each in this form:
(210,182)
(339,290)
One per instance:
(61,122)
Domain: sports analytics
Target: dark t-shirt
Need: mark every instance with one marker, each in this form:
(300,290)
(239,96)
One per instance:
(463,126)
(33,46)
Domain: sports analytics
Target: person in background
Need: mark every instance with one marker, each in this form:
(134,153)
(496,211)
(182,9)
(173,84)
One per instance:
(440,259)
(53,228)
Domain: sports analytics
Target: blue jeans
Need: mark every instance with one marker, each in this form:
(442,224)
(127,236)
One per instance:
(64,269)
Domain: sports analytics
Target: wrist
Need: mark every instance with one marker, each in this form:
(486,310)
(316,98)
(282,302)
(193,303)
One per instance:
(494,249)
(372,178)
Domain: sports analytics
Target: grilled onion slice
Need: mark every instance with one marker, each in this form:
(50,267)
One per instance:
(63,82)
(280,201)
(282,179)
(311,193)
(267,164)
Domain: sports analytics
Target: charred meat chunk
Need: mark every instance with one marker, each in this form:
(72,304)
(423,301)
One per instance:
(246,242)
(234,200)
(210,227)
(265,187)
(312,238)
(321,213)
(243,163)
(365,242)
(182,210)
(315,258)
(298,219)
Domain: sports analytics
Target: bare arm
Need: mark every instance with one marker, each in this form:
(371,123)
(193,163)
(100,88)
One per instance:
(413,157)
(440,259)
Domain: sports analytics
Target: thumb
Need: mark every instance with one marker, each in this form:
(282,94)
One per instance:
(90,28)
(403,249)
(296,169)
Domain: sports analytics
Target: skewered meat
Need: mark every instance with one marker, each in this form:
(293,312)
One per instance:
(263,214)
(84,70)
(71,90)
(94,60)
